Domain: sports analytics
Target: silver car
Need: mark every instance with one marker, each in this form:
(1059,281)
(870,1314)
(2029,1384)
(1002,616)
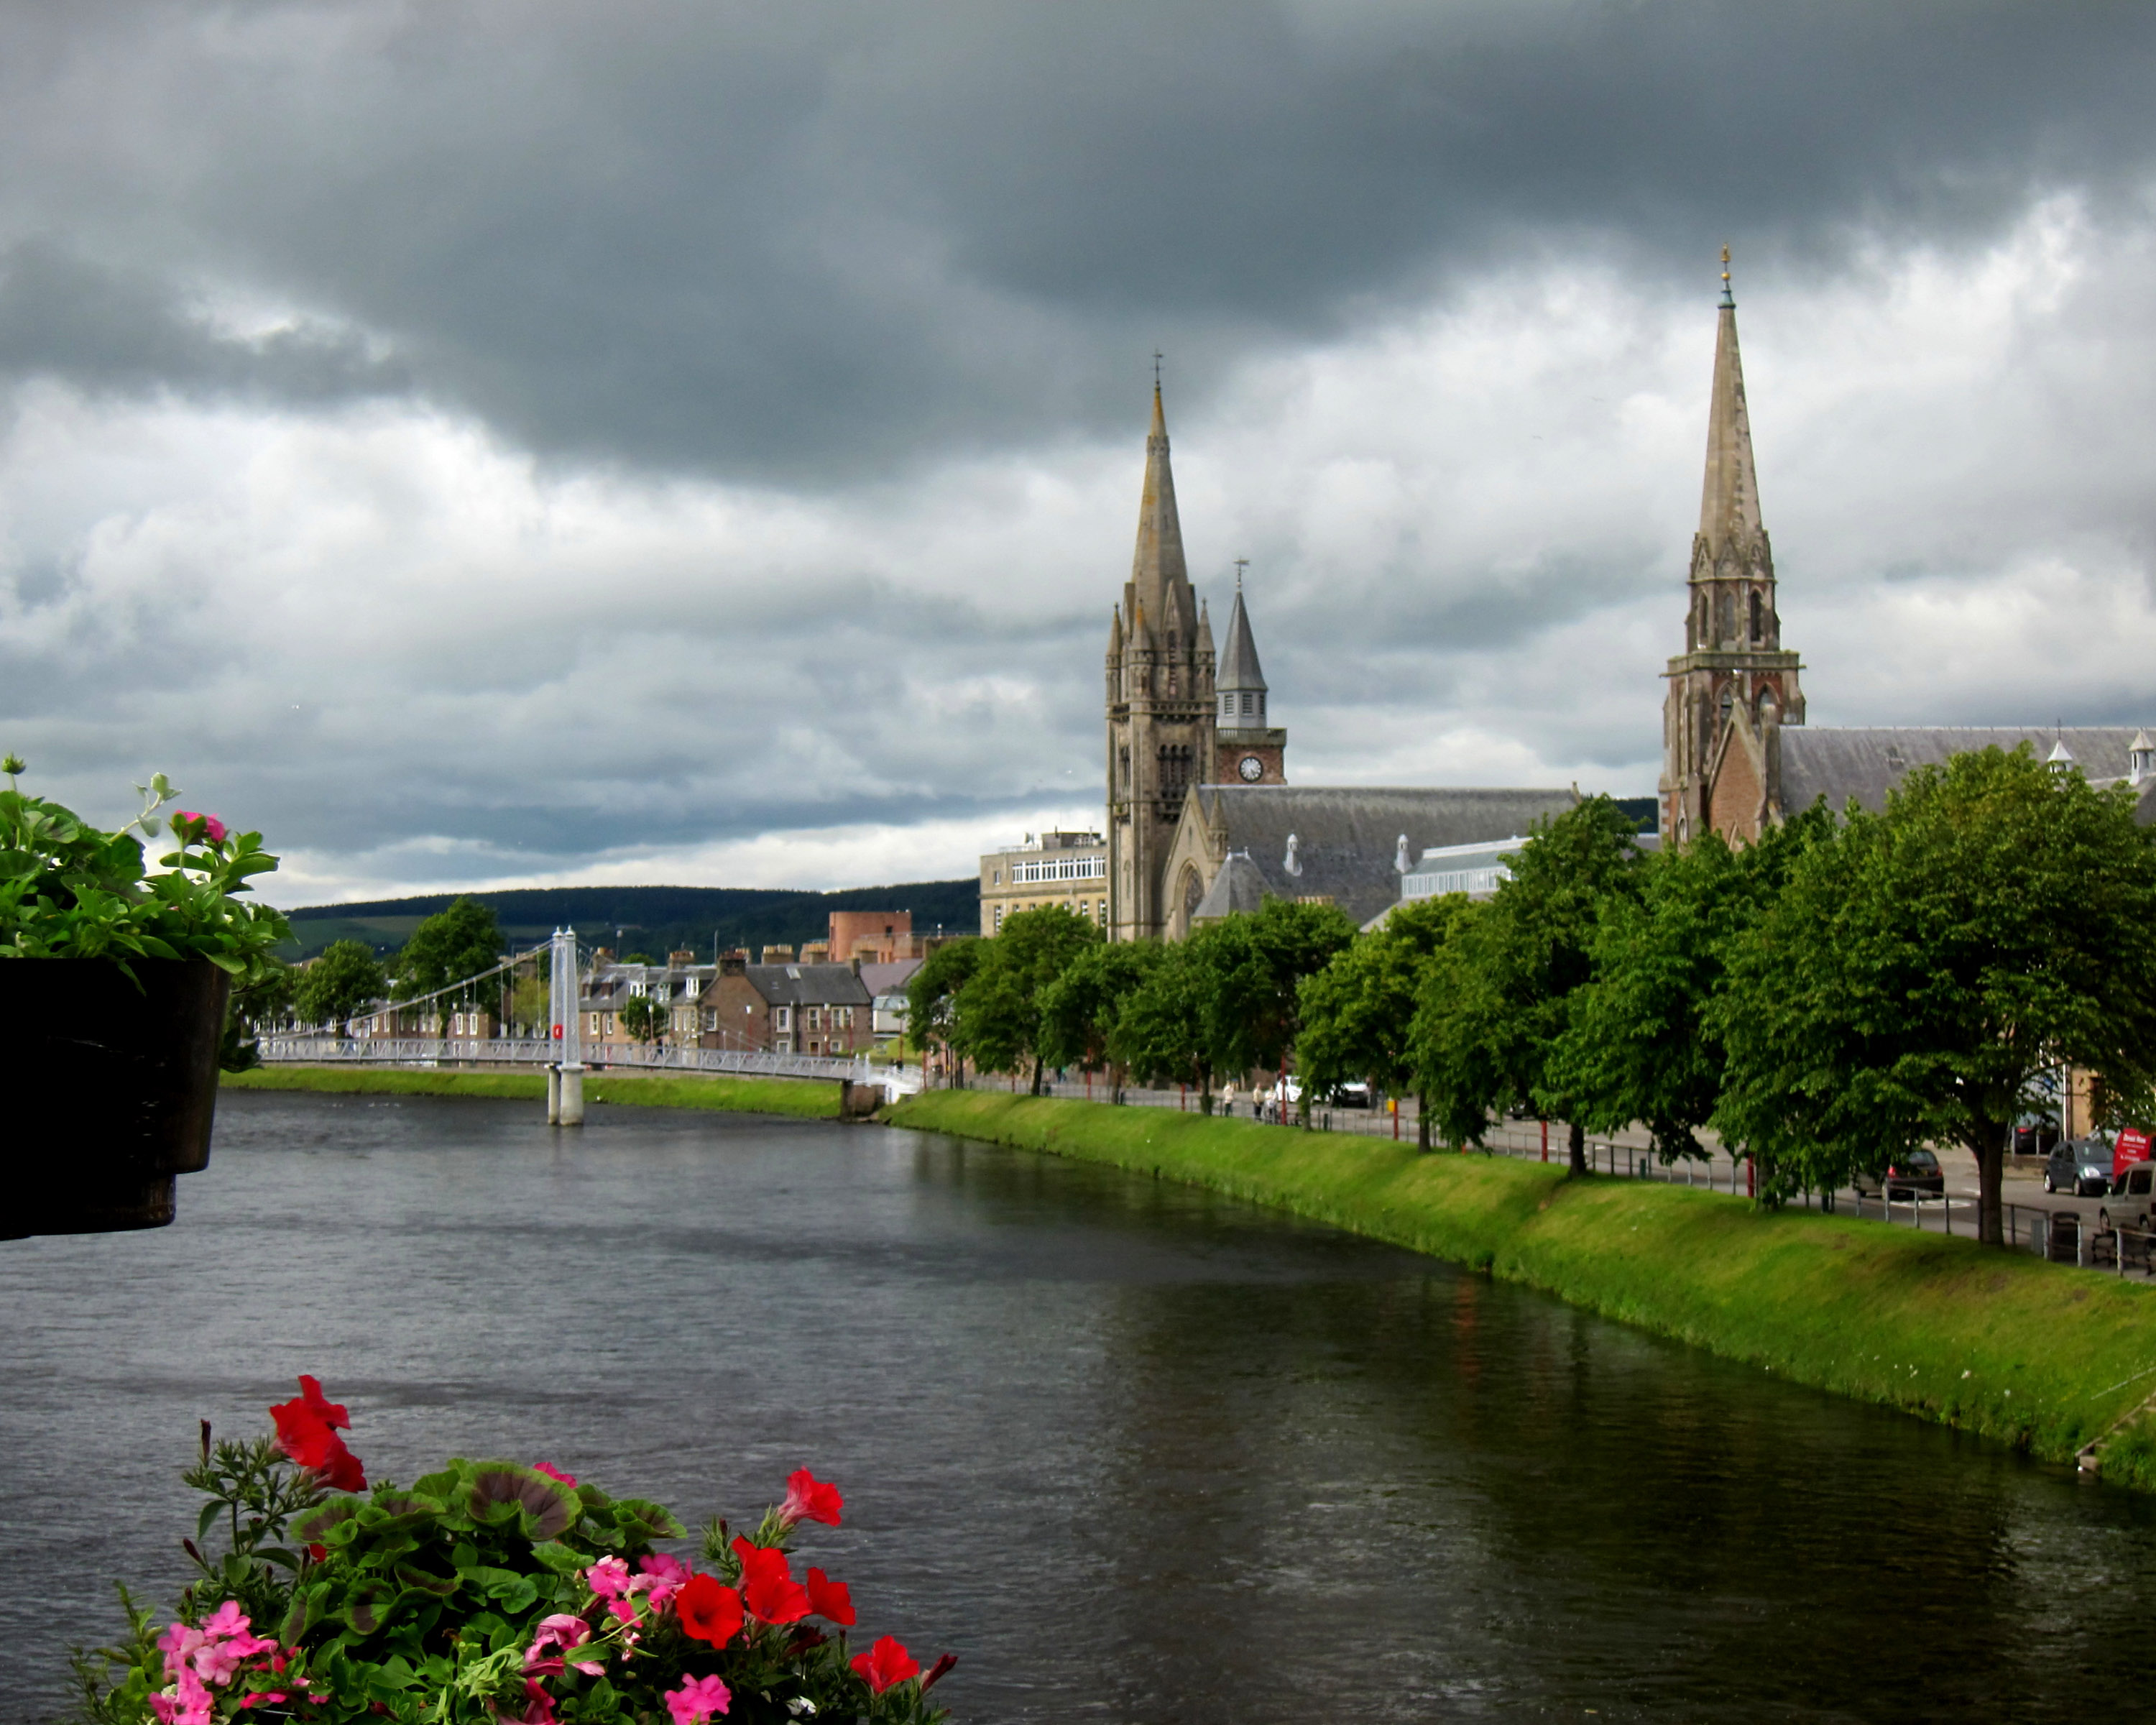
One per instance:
(2133,1194)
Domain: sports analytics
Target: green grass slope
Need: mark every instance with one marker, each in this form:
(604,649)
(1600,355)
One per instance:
(802,1098)
(2042,1356)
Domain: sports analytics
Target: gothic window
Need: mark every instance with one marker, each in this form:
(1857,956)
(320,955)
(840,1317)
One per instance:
(1192,892)
(1728,630)
(1756,610)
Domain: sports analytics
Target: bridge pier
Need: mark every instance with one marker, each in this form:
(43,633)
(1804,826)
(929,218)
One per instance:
(553,1094)
(572,1096)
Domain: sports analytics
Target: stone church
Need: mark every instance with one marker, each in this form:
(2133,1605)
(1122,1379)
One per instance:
(1201,819)
(1736,754)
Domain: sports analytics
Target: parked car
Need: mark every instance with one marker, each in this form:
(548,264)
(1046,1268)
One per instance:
(1353,1095)
(2080,1166)
(2132,1193)
(2034,1134)
(1913,1173)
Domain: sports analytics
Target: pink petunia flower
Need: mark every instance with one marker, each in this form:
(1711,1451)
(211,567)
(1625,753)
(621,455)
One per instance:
(697,1699)
(178,1644)
(554,1473)
(563,1631)
(212,827)
(609,1578)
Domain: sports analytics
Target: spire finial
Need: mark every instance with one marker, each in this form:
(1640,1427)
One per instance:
(1727,298)
(1156,370)
(1241,564)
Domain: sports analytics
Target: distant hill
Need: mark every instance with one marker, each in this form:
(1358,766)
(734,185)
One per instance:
(649,919)
(1646,811)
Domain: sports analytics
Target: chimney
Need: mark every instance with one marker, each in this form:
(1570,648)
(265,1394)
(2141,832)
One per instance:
(778,955)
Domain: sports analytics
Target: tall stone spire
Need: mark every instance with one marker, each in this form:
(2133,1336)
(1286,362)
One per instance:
(1158,574)
(1733,687)
(1160,709)
(1730,531)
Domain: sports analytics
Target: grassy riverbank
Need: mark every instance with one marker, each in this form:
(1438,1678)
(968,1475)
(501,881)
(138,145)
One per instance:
(802,1098)
(2038,1355)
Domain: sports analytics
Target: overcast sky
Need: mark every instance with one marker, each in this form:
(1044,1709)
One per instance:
(506,443)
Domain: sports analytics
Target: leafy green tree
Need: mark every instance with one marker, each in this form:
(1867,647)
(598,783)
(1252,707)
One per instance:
(1921,971)
(999,1009)
(1502,992)
(1161,1033)
(1079,1010)
(257,1004)
(643,1018)
(344,977)
(445,949)
(1639,1044)
(1255,964)
(931,999)
(1356,1011)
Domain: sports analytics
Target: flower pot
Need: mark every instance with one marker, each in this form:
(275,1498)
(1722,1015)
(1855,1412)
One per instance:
(114,1090)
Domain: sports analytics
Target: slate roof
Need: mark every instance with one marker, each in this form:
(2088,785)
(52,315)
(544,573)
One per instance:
(807,984)
(881,978)
(1239,887)
(1239,665)
(1839,762)
(1346,837)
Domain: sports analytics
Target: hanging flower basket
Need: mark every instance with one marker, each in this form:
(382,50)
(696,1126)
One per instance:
(121,1075)
(116,1017)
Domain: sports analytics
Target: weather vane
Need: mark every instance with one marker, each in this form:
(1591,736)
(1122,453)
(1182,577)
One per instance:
(1727,298)
(1241,564)
(1156,369)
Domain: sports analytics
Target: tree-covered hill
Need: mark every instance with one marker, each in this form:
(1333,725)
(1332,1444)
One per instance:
(647,919)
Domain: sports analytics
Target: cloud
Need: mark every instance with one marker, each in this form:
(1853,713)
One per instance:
(504,445)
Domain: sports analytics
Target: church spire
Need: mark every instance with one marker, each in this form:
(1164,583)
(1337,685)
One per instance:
(1158,570)
(1730,530)
(1239,665)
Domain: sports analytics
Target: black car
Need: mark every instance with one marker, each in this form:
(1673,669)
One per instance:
(2034,1134)
(2080,1166)
(1914,1173)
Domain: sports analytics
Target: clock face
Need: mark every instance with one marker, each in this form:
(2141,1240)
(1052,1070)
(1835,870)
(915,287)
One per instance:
(1251,768)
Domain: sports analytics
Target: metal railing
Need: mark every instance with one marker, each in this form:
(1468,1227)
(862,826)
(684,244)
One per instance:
(598,1057)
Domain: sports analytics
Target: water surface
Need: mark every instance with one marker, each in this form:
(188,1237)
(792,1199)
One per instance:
(1136,1453)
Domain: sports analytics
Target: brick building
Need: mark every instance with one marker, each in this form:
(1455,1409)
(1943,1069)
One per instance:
(787,1008)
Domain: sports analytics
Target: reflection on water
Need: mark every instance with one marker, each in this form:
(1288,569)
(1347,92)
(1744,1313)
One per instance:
(1137,1453)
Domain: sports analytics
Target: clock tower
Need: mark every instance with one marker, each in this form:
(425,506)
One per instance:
(1248,750)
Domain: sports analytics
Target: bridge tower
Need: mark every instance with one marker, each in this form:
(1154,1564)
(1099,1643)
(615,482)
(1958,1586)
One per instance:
(565,1075)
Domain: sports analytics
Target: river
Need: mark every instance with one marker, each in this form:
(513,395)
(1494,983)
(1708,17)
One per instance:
(1135,1452)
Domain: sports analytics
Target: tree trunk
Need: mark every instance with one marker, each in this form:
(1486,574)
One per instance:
(1990,1182)
(1422,1120)
(1035,1091)
(1578,1134)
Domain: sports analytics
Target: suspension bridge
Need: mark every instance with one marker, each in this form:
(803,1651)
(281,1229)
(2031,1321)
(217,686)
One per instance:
(559,1049)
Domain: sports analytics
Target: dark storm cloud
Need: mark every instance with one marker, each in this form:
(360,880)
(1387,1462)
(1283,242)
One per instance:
(127,331)
(809,242)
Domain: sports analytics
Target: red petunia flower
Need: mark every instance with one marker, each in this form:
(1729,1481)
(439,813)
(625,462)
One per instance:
(809,1499)
(708,1610)
(829,1599)
(885,1664)
(306,1432)
(769,1587)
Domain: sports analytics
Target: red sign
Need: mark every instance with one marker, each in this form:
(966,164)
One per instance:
(558,1033)
(2132,1145)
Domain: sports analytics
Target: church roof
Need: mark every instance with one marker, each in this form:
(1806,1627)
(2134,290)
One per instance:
(1347,838)
(1239,665)
(1729,499)
(1839,762)
(1239,886)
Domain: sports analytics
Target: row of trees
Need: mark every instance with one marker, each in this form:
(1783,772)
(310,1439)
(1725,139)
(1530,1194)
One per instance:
(347,976)
(1843,989)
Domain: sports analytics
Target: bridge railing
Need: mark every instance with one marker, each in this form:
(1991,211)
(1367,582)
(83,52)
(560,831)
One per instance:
(535,1051)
